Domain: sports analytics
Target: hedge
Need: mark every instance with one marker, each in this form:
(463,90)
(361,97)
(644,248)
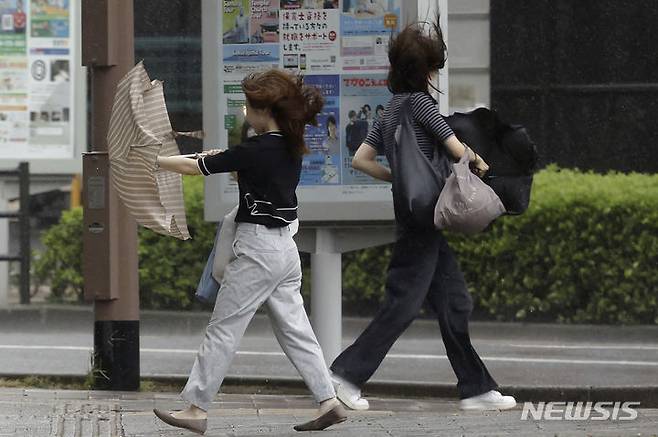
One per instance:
(586,251)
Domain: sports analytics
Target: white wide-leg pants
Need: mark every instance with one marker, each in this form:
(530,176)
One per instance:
(266,271)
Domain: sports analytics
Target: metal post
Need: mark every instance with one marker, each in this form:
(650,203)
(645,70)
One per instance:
(111,240)
(24,223)
(4,248)
(326,293)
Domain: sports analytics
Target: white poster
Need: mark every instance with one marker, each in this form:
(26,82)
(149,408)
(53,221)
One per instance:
(36,93)
(309,40)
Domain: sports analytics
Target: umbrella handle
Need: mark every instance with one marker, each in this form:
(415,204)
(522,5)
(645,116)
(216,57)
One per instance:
(198,134)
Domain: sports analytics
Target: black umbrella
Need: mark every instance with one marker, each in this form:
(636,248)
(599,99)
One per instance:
(507,148)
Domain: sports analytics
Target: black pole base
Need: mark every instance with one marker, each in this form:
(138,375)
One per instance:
(116,355)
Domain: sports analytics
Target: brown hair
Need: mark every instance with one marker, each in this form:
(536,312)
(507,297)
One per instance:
(413,55)
(293,104)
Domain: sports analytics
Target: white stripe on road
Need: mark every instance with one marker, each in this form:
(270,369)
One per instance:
(392,356)
(584,346)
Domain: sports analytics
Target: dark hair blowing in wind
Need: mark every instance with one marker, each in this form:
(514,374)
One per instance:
(293,104)
(413,54)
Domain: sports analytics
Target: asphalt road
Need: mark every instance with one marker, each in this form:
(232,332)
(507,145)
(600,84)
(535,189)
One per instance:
(55,343)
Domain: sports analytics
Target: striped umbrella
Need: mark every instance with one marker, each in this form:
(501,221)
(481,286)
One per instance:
(139,131)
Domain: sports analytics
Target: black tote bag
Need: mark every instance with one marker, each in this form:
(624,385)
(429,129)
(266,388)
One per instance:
(417,181)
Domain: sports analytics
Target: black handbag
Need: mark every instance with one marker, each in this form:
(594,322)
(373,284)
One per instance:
(417,181)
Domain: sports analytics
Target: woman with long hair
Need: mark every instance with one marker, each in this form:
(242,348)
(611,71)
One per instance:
(267,269)
(422,267)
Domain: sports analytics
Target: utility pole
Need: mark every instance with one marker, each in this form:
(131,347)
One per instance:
(110,233)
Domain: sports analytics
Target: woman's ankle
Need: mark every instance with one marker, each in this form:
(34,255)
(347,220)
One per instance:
(328,404)
(191,412)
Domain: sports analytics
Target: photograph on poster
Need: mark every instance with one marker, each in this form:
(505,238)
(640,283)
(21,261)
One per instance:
(367,8)
(322,165)
(235,21)
(321,4)
(366,29)
(49,18)
(13,20)
(291,4)
(363,98)
(264,21)
(59,70)
(240,60)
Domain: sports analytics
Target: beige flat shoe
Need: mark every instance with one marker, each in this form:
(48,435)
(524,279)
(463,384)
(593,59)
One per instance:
(195,425)
(331,417)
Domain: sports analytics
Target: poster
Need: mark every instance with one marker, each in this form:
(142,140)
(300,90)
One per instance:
(322,165)
(49,18)
(14,121)
(36,92)
(50,104)
(13,22)
(264,21)
(235,21)
(366,27)
(310,42)
(240,60)
(363,99)
(235,123)
(309,4)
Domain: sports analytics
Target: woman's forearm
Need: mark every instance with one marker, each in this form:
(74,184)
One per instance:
(373,168)
(179,164)
(456,148)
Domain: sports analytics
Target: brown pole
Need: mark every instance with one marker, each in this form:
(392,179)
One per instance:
(110,235)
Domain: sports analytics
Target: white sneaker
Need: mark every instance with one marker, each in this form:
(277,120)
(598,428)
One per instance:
(491,400)
(349,394)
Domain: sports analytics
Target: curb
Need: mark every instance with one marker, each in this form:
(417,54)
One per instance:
(37,317)
(647,396)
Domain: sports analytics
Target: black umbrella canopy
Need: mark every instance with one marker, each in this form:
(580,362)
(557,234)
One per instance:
(508,149)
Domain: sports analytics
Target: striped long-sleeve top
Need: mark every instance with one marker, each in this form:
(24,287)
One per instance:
(429,126)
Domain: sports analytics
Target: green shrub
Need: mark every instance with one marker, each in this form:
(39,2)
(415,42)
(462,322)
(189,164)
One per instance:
(60,265)
(169,269)
(585,251)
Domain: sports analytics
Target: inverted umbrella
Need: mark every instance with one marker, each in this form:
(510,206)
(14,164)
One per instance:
(139,131)
(508,150)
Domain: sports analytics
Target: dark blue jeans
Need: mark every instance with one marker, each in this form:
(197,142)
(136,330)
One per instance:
(422,267)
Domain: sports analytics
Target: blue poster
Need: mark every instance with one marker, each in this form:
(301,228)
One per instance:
(242,59)
(366,27)
(322,165)
(363,99)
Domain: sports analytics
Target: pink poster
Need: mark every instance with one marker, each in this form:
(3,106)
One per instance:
(264,21)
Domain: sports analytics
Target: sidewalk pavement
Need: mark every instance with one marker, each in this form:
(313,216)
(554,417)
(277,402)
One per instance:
(69,413)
